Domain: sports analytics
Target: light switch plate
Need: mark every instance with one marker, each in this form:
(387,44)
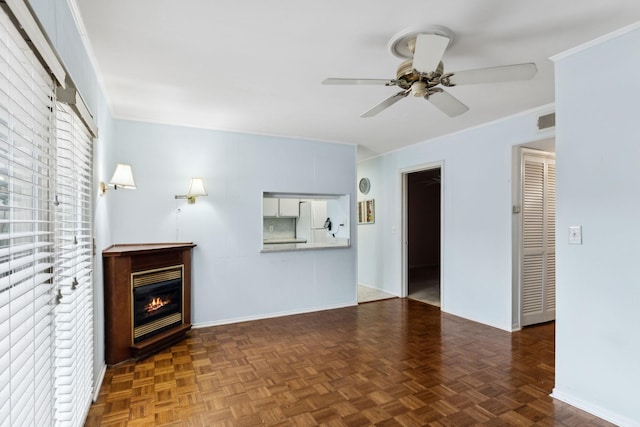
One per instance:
(575,234)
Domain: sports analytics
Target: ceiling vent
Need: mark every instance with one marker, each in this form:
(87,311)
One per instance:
(546,121)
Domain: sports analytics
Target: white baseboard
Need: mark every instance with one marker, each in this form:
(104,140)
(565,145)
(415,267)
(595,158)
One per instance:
(268,315)
(594,409)
(98,382)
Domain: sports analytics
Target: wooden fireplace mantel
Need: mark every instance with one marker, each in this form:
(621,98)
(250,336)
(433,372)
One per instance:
(119,262)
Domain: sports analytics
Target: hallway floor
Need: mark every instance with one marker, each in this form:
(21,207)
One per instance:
(424,285)
(367,294)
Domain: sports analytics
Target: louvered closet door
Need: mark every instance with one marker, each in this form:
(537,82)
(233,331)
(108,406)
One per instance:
(538,275)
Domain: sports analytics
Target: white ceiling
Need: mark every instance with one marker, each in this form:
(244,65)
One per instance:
(255,66)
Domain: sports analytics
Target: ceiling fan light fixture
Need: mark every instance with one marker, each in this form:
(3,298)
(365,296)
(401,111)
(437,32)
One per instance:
(403,43)
(419,89)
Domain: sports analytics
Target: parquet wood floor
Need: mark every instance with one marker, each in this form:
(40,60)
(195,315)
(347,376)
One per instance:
(396,362)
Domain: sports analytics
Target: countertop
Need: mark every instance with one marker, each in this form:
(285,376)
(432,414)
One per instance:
(338,243)
(282,241)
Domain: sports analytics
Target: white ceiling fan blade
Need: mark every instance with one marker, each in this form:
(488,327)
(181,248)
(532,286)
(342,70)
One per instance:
(385,104)
(506,73)
(338,81)
(447,103)
(428,52)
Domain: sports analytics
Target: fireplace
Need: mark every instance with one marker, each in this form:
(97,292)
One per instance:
(157,301)
(147,295)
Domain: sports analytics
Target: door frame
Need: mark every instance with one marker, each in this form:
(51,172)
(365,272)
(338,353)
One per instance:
(537,145)
(404,290)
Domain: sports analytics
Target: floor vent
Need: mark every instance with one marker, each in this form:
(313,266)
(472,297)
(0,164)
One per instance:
(546,121)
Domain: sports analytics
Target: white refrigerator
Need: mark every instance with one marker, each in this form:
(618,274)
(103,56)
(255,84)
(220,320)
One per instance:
(310,224)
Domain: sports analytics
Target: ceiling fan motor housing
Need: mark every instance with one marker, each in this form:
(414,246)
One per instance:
(419,83)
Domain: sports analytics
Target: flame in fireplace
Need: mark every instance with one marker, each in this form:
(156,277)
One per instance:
(156,304)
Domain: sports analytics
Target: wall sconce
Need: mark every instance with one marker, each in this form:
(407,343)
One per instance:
(122,178)
(196,189)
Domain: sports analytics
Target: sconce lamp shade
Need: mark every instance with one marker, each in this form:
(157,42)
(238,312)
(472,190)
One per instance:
(196,188)
(123,177)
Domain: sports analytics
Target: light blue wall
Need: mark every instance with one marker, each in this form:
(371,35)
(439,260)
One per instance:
(598,176)
(477,220)
(232,280)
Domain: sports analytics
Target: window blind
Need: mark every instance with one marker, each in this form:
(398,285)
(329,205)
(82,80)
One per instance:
(73,269)
(27,166)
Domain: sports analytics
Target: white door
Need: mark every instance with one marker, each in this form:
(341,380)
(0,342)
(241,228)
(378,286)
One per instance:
(538,267)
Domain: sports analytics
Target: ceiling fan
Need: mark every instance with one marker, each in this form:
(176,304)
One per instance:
(422,74)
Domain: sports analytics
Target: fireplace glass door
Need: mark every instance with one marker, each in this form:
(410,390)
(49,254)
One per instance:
(157,306)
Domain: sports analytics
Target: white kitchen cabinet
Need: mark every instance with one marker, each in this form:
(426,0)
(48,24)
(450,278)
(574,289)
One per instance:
(283,208)
(270,207)
(289,208)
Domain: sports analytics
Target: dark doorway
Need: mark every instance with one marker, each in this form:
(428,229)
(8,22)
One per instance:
(423,234)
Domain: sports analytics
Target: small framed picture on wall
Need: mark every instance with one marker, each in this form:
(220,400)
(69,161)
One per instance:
(366,212)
